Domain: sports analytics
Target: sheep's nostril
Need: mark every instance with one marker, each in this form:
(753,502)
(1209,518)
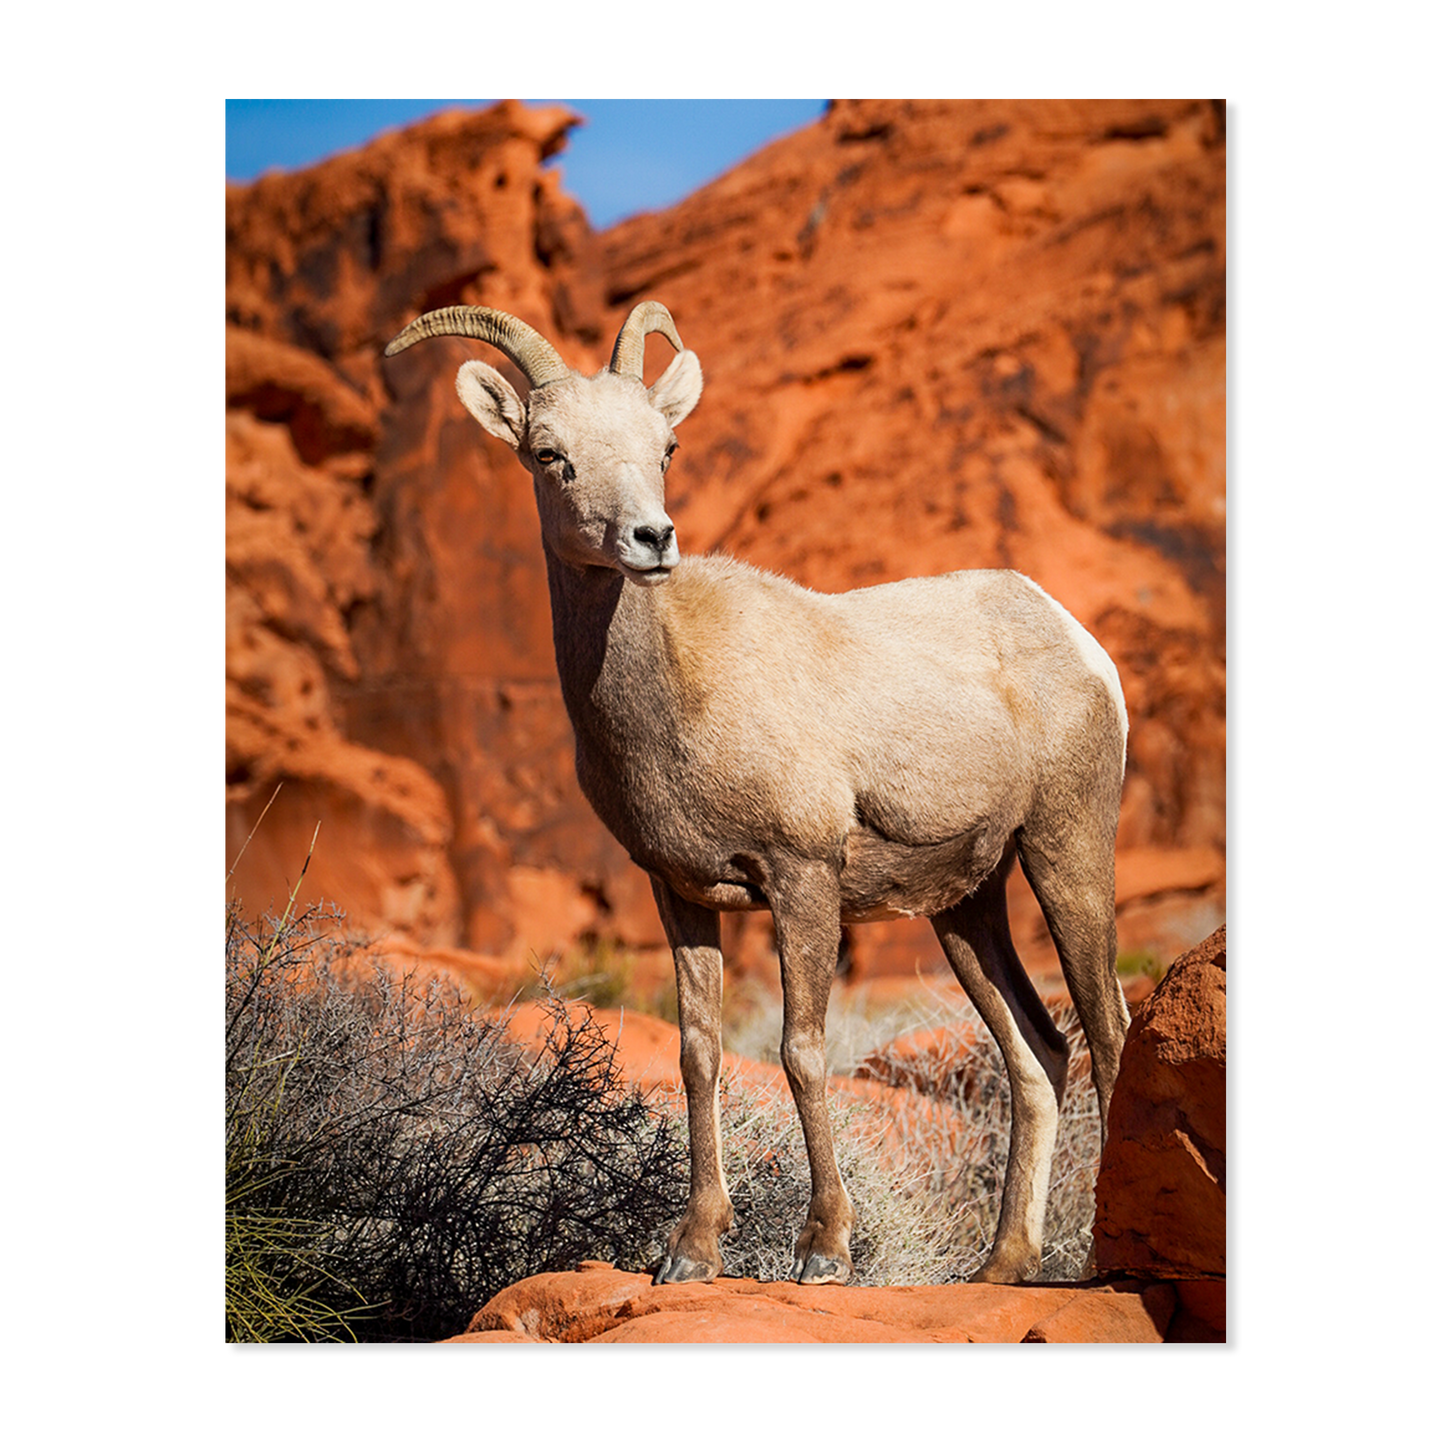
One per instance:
(655,537)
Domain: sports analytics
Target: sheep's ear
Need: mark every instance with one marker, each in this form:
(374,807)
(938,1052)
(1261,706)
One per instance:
(488,396)
(676,391)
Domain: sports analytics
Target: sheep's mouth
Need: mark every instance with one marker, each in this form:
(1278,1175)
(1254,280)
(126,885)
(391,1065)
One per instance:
(648,576)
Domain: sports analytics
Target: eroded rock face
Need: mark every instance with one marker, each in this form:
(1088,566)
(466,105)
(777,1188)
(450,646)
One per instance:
(935,335)
(1161,1188)
(388,647)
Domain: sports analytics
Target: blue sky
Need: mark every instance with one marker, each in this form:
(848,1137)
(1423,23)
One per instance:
(630,156)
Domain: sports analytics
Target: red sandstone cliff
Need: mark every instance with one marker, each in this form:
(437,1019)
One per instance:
(935,335)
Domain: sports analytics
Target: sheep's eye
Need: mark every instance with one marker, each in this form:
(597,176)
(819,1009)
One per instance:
(667,456)
(547,456)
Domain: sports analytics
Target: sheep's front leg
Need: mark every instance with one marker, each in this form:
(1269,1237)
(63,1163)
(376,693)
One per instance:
(692,1248)
(805,912)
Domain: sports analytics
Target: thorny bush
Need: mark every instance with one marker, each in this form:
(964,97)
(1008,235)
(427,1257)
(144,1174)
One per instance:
(393,1159)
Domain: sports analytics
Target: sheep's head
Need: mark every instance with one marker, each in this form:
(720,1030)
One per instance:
(597,446)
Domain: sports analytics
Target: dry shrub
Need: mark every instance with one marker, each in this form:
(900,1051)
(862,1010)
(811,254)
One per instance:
(393,1159)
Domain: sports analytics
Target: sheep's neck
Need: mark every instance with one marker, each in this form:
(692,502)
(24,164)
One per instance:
(627,658)
(612,662)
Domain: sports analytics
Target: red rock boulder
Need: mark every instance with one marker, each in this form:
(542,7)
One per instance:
(1160,1209)
(598,1304)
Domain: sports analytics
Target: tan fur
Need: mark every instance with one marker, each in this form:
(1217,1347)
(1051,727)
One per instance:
(879,752)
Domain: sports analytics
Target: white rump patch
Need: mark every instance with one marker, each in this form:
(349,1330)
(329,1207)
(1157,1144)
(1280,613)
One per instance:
(1091,653)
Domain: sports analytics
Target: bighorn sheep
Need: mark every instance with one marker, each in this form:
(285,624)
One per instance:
(753,744)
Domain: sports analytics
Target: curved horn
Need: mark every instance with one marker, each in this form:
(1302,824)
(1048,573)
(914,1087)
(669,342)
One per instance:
(530,351)
(646,317)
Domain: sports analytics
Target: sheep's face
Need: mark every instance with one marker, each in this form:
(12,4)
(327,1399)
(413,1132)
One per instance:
(598,448)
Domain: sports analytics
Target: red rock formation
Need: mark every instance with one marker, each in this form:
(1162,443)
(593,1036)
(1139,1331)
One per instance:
(935,335)
(596,1304)
(1160,1193)
(389,654)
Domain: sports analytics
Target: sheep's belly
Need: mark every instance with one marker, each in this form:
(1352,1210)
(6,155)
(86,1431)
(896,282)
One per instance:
(882,878)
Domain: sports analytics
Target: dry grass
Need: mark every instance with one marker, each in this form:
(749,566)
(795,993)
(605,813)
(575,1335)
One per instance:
(932,1220)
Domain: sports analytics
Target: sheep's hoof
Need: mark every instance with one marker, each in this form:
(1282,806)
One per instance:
(679,1269)
(1004,1267)
(821,1269)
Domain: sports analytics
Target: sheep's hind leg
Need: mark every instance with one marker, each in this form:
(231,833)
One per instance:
(1073,879)
(976,939)
(805,907)
(692,1248)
